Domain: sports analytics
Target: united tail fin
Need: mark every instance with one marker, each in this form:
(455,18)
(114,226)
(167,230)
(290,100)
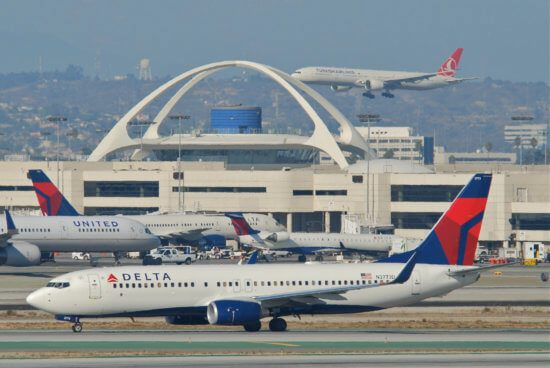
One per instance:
(240,224)
(453,239)
(52,202)
(450,66)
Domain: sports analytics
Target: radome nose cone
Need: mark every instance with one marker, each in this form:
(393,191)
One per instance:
(35,299)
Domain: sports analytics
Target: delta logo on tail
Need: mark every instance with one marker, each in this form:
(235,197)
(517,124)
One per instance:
(448,68)
(453,240)
(52,202)
(240,224)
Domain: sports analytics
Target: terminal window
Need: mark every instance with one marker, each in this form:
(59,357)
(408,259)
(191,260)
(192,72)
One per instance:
(424,193)
(121,189)
(221,189)
(414,220)
(302,192)
(16,188)
(338,192)
(530,221)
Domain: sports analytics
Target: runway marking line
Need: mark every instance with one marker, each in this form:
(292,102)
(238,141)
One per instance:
(273,343)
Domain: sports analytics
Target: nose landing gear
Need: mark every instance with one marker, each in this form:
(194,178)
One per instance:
(77,327)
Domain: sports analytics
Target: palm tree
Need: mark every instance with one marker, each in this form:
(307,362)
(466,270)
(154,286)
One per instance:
(534,144)
(517,144)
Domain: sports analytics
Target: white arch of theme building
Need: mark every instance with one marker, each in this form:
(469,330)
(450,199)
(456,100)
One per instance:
(322,139)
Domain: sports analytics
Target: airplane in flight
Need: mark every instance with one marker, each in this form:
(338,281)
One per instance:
(23,238)
(197,229)
(244,294)
(343,79)
(312,243)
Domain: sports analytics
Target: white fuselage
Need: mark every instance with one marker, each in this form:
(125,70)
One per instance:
(356,78)
(165,290)
(307,243)
(193,226)
(82,233)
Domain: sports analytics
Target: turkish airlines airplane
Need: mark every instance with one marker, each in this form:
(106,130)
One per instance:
(244,294)
(189,228)
(343,79)
(312,243)
(23,238)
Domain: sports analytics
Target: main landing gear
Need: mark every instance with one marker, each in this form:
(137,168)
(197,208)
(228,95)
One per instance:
(253,326)
(277,324)
(117,258)
(368,94)
(388,94)
(77,327)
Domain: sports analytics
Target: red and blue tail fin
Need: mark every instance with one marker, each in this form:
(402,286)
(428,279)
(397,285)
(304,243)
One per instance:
(12,230)
(240,224)
(52,202)
(453,239)
(449,67)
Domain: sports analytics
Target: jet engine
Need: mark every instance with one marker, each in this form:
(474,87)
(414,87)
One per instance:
(337,88)
(20,254)
(233,312)
(279,236)
(374,85)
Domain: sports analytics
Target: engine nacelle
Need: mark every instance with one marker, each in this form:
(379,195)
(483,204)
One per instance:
(186,320)
(373,85)
(20,254)
(280,236)
(233,312)
(337,88)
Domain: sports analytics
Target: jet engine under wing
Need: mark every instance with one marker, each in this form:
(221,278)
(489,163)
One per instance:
(314,296)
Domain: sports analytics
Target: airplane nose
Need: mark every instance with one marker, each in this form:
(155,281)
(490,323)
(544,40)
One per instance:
(37,299)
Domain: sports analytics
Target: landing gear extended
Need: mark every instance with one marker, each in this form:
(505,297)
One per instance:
(368,94)
(388,94)
(277,324)
(77,327)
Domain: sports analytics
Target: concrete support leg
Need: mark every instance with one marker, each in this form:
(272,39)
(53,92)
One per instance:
(289,222)
(327,222)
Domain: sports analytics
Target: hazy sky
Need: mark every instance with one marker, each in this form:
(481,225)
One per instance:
(502,39)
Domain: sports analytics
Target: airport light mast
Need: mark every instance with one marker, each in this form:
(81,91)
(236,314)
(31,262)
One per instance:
(179,117)
(368,118)
(58,120)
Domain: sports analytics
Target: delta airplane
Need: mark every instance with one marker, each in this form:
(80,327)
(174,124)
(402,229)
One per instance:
(25,237)
(312,243)
(190,228)
(343,79)
(244,294)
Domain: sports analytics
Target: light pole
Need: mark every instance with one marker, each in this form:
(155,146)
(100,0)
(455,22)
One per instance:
(57,120)
(368,118)
(179,117)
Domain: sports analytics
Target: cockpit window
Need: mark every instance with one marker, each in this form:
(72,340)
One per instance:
(58,285)
(147,230)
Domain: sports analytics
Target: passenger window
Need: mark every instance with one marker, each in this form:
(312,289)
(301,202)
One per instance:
(263,283)
(287,283)
(333,282)
(165,284)
(145,285)
(185,284)
(218,284)
(339,282)
(224,284)
(172,284)
(121,286)
(159,284)
(307,283)
(179,284)
(293,283)
(230,283)
(192,284)
(152,285)
(205,284)
(114,286)
(269,283)
(127,286)
(133,285)
(275,283)
(300,283)
(326,282)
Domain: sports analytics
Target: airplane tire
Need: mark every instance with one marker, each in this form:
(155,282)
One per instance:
(277,324)
(301,258)
(77,327)
(253,326)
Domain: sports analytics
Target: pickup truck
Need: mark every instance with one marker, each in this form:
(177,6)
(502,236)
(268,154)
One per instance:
(169,255)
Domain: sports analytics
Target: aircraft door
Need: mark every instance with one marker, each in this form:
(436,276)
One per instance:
(95,287)
(416,286)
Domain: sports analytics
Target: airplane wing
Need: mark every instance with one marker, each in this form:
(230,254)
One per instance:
(390,82)
(314,296)
(191,235)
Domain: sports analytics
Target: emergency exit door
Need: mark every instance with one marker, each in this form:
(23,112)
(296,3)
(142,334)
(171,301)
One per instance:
(95,287)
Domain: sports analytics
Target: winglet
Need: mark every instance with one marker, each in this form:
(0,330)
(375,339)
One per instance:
(12,230)
(240,224)
(406,272)
(253,258)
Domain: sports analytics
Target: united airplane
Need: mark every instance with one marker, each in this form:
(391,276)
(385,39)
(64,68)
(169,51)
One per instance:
(343,79)
(190,228)
(244,294)
(23,238)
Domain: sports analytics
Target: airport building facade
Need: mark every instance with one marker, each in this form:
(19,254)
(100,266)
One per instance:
(314,198)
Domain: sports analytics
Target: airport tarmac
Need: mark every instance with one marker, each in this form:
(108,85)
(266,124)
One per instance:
(471,360)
